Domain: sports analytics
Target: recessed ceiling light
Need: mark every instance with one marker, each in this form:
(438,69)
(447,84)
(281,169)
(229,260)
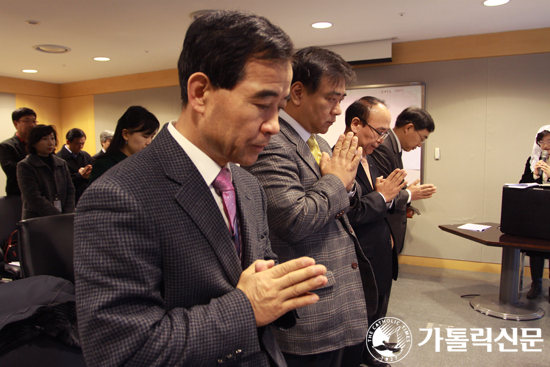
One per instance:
(321,25)
(102,59)
(32,22)
(30,71)
(52,49)
(495,2)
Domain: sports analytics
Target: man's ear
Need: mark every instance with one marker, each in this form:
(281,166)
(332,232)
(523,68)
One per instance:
(198,89)
(356,124)
(409,127)
(297,91)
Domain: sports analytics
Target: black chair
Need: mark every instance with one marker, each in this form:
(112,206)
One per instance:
(11,208)
(46,246)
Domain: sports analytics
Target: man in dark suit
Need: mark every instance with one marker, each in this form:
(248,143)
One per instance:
(78,161)
(13,150)
(369,119)
(308,193)
(161,240)
(412,128)
(105,140)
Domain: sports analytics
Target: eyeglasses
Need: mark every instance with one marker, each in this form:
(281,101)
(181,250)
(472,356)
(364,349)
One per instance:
(422,138)
(381,136)
(543,142)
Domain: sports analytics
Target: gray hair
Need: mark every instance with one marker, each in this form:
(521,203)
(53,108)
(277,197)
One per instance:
(106,135)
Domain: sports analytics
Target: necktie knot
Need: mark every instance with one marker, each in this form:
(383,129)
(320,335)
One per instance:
(223,181)
(314,148)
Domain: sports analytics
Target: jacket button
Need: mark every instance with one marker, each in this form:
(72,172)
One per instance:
(354,265)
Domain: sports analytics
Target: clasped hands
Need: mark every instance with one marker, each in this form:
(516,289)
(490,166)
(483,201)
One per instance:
(345,159)
(391,186)
(543,166)
(273,290)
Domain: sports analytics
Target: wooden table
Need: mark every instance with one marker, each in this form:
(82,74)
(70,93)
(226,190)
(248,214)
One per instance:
(506,305)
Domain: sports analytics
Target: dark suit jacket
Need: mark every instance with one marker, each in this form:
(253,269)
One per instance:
(40,186)
(306,218)
(388,158)
(156,268)
(368,219)
(82,159)
(12,151)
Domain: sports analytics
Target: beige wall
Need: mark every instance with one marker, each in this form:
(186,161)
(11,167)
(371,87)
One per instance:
(487,112)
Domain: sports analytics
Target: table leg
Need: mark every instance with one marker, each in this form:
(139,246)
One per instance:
(506,305)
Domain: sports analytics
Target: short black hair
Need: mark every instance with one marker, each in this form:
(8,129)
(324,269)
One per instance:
(20,112)
(219,44)
(135,119)
(37,133)
(75,133)
(419,117)
(311,64)
(361,108)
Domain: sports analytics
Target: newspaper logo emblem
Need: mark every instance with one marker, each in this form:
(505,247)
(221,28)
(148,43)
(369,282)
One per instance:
(389,340)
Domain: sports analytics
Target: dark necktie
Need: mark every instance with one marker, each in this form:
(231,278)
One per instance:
(223,184)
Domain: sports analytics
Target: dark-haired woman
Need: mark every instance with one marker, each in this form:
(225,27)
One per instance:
(134,131)
(533,167)
(44,179)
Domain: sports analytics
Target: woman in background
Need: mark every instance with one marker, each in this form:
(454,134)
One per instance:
(44,179)
(134,131)
(533,167)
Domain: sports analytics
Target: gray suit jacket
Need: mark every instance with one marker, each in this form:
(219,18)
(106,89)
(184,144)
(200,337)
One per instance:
(156,268)
(306,214)
(387,158)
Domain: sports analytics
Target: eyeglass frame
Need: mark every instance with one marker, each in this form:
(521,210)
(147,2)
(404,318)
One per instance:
(541,142)
(381,136)
(422,139)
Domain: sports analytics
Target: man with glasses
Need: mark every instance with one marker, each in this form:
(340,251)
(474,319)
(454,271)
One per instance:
(12,150)
(412,128)
(369,119)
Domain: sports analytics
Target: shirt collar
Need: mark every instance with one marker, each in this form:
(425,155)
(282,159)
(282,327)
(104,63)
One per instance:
(207,167)
(304,134)
(399,149)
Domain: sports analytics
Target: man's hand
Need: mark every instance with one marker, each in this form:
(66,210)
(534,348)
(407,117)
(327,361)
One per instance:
(345,159)
(275,290)
(392,185)
(419,192)
(85,171)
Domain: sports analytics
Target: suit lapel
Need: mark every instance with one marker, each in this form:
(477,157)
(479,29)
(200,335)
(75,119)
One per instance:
(363,179)
(301,146)
(195,198)
(244,202)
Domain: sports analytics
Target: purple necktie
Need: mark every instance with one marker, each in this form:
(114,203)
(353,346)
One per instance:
(223,184)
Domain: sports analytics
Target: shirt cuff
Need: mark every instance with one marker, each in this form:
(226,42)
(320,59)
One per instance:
(410,196)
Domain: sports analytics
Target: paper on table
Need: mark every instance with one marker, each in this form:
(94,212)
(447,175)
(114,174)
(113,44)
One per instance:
(474,227)
(521,185)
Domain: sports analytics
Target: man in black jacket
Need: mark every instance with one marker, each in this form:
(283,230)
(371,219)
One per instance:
(12,150)
(78,161)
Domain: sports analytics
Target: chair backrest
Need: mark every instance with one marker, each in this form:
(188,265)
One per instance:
(46,246)
(10,213)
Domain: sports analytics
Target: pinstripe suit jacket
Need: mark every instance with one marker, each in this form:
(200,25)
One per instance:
(306,218)
(156,268)
(387,159)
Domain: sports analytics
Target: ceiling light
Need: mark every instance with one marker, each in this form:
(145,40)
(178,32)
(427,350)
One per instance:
(495,2)
(32,22)
(102,59)
(321,25)
(52,49)
(30,71)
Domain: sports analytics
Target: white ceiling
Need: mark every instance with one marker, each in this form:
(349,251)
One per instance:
(147,35)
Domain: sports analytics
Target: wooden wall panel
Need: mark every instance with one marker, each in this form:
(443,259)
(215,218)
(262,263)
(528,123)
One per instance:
(29,87)
(48,109)
(79,112)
